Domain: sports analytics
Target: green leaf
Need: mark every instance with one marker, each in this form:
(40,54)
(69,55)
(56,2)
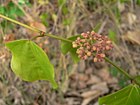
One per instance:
(30,62)
(44,17)
(67,47)
(138,2)
(65,10)
(2,9)
(66,21)
(129,95)
(13,9)
(137,79)
(74,55)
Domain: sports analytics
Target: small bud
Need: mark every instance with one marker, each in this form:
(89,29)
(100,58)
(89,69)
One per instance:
(92,32)
(78,51)
(74,45)
(95,59)
(83,34)
(90,38)
(102,55)
(94,38)
(78,38)
(88,53)
(107,47)
(108,42)
(93,48)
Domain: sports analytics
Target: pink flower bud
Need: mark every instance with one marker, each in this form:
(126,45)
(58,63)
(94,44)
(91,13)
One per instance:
(94,38)
(84,35)
(107,48)
(93,48)
(102,55)
(108,42)
(92,32)
(88,47)
(85,46)
(90,38)
(78,38)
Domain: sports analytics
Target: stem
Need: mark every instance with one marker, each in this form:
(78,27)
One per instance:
(35,30)
(52,36)
(119,69)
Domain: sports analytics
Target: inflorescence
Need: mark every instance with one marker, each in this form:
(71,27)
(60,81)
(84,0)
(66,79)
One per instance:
(92,44)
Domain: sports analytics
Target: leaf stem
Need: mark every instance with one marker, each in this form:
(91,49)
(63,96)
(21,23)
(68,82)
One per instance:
(119,69)
(34,29)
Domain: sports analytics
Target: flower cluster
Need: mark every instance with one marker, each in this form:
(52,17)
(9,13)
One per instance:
(92,44)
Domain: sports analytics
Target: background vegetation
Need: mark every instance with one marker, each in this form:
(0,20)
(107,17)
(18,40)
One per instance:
(82,83)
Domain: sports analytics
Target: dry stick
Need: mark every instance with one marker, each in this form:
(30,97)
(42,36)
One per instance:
(63,39)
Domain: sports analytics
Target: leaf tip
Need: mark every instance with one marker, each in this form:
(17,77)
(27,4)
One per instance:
(54,85)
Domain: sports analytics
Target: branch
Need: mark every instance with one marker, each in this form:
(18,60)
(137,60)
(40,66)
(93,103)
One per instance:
(34,29)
